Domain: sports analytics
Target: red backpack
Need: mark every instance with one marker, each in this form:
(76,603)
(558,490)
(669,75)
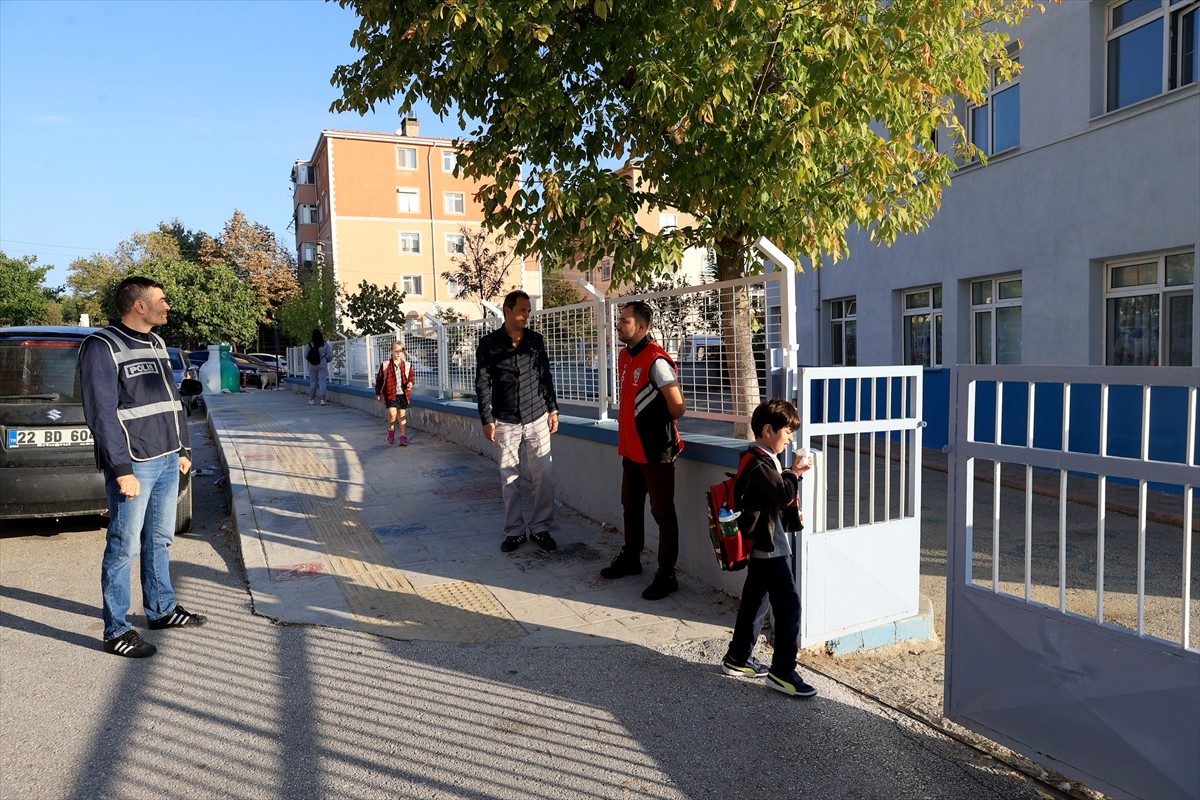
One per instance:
(732,552)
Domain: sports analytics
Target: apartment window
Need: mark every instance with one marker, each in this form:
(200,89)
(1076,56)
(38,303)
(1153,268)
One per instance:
(1152,48)
(410,242)
(995,126)
(843,324)
(308,255)
(668,222)
(453,203)
(304,173)
(1148,310)
(456,244)
(923,326)
(307,214)
(606,265)
(410,284)
(406,158)
(408,201)
(456,288)
(996,320)
(449,160)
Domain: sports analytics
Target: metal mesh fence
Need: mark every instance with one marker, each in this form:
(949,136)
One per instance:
(572,342)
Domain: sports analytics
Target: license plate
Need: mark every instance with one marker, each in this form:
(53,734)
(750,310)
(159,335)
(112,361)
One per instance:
(49,437)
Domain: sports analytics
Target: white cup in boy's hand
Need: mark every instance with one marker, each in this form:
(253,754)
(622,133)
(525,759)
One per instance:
(803,461)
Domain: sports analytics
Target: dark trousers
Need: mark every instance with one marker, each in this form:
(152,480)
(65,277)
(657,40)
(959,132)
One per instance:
(768,577)
(657,481)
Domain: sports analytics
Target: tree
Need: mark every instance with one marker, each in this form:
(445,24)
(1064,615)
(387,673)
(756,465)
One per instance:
(258,259)
(89,279)
(23,299)
(556,289)
(314,306)
(482,271)
(372,307)
(208,303)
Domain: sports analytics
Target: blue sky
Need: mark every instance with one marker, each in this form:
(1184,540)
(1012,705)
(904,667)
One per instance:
(117,115)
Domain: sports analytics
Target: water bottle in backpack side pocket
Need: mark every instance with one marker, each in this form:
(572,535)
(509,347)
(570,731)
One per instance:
(727,520)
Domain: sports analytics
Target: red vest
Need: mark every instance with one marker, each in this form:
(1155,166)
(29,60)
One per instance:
(646,432)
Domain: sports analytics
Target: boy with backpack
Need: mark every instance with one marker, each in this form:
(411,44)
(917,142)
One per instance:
(766,494)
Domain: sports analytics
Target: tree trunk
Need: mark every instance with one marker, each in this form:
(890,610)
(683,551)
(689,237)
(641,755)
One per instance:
(736,334)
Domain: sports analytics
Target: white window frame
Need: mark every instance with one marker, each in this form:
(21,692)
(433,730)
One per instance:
(932,307)
(996,87)
(988,310)
(1117,346)
(668,222)
(408,201)
(402,156)
(308,255)
(1171,15)
(843,332)
(410,243)
(412,284)
(449,160)
(306,174)
(460,247)
(454,202)
(307,214)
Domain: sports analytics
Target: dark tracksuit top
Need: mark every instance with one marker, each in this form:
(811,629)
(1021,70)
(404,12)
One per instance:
(147,419)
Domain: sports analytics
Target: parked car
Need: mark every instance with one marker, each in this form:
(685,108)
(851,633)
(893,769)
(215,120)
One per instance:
(280,362)
(47,461)
(180,365)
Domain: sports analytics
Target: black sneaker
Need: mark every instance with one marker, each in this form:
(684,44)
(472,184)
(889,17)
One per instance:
(750,668)
(131,645)
(793,685)
(624,564)
(544,540)
(179,618)
(660,587)
(511,543)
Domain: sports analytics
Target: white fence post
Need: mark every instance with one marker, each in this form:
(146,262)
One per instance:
(601,350)
(443,353)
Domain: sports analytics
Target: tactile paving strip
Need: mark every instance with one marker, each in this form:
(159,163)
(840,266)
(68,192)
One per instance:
(381,599)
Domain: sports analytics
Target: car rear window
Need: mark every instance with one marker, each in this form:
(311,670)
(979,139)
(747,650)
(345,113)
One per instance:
(39,369)
(176,359)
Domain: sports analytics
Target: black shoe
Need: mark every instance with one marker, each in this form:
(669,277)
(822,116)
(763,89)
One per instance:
(179,618)
(750,668)
(511,543)
(660,587)
(624,564)
(131,645)
(793,685)
(543,540)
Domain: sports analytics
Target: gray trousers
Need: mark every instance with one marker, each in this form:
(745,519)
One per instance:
(534,439)
(317,378)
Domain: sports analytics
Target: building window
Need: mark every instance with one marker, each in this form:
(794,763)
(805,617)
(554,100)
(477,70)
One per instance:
(995,126)
(1148,310)
(455,288)
(453,203)
(449,160)
(843,323)
(410,284)
(410,242)
(668,222)
(1152,48)
(996,320)
(606,265)
(923,327)
(406,158)
(307,214)
(308,255)
(408,201)
(304,173)
(456,244)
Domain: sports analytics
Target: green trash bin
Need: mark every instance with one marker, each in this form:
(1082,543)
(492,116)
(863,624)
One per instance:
(230,379)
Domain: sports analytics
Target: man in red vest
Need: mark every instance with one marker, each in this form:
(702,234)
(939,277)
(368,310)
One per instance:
(648,442)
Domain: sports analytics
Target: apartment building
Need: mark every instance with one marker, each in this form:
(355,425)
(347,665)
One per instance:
(1075,244)
(387,208)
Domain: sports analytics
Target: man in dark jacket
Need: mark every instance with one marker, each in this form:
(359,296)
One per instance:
(518,406)
(133,409)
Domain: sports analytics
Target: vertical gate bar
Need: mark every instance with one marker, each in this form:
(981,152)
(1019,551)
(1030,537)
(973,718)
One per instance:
(1101,506)
(996,492)
(857,447)
(902,444)
(968,480)
(841,456)
(874,436)
(1142,500)
(887,458)
(917,433)
(1190,459)
(1062,501)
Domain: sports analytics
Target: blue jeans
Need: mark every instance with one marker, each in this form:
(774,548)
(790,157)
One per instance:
(144,524)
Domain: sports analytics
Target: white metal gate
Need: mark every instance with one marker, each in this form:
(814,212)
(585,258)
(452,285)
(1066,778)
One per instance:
(1071,627)
(859,556)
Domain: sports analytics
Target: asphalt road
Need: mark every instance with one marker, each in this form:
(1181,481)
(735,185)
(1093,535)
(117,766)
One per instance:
(244,708)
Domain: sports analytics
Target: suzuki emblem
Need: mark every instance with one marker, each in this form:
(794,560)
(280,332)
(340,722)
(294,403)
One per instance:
(54,414)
